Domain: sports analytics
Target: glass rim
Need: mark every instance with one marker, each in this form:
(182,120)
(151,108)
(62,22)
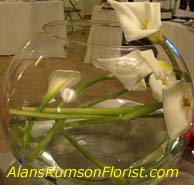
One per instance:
(82,23)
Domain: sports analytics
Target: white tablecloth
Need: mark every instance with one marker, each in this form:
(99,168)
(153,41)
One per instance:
(112,36)
(20,19)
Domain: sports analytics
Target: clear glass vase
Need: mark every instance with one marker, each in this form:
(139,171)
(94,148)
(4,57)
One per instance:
(54,128)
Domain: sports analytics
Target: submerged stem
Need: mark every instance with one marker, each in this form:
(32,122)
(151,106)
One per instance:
(88,84)
(93,111)
(72,113)
(41,145)
(39,148)
(52,115)
(81,149)
(100,99)
(44,101)
(133,114)
(138,112)
(51,94)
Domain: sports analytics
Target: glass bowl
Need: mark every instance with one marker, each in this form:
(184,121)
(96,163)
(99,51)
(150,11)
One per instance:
(62,110)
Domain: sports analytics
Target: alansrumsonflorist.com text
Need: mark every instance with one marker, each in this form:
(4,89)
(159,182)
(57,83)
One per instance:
(106,172)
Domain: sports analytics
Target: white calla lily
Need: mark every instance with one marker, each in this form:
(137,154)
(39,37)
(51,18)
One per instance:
(62,80)
(140,86)
(132,68)
(177,105)
(157,85)
(138,19)
(68,95)
(153,63)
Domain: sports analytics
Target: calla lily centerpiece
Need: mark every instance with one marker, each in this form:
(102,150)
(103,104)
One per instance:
(138,20)
(116,70)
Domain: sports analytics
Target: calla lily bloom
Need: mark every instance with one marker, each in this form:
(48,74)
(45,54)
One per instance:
(131,69)
(68,95)
(177,104)
(138,19)
(140,86)
(62,80)
(158,85)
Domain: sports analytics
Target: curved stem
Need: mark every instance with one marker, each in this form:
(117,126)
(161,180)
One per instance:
(41,145)
(100,99)
(88,84)
(68,113)
(81,149)
(44,101)
(138,112)
(48,96)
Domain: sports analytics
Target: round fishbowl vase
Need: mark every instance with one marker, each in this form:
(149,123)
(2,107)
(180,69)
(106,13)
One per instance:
(80,106)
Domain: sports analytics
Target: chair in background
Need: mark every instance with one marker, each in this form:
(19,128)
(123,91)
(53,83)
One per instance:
(72,9)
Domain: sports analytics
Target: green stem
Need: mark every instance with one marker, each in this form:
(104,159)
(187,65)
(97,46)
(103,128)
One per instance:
(136,113)
(41,145)
(100,99)
(82,150)
(88,84)
(52,116)
(108,116)
(52,113)
(90,111)
(27,134)
(46,99)
(85,153)
(155,115)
